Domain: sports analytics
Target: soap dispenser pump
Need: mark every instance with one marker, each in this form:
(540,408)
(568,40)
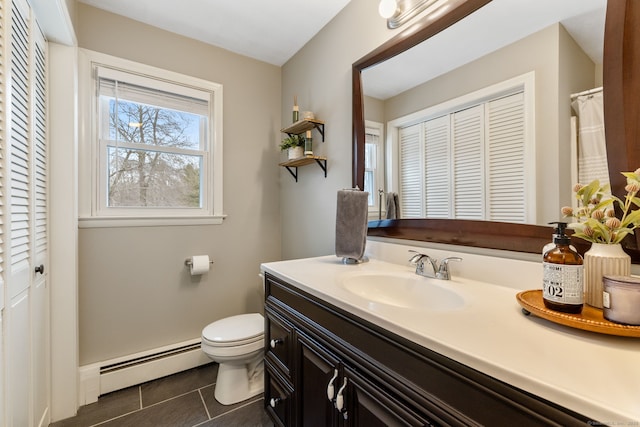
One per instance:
(563,274)
(556,231)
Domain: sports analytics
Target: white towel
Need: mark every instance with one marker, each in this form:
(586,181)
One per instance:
(592,150)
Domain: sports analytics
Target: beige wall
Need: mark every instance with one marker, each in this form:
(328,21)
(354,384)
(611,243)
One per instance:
(134,291)
(320,75)
(560,67)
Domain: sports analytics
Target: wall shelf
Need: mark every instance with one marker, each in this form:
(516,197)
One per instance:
(293,164)
(304,125)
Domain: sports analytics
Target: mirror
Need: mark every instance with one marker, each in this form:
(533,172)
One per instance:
(518,237)
(544,53)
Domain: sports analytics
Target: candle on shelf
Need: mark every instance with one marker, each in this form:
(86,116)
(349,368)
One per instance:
(296,112)
(308,147)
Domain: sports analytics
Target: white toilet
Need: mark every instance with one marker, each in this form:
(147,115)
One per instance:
(237,344)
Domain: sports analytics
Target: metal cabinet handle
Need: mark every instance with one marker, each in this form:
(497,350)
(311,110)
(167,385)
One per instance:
(330,388)
(274,401)
(40,269)
(339,397)
(274,342)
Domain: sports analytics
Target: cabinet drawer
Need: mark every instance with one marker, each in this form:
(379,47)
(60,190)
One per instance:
(278,341)
(277,397)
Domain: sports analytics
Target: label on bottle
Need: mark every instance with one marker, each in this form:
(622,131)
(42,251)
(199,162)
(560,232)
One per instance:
(563,283)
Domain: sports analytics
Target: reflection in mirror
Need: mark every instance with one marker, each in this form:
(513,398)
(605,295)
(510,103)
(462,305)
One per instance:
(537,54)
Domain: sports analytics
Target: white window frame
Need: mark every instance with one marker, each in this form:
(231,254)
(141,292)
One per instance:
(377,128)
(93,211)
(524,82)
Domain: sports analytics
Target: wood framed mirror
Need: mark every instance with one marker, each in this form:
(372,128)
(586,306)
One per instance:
(621,88)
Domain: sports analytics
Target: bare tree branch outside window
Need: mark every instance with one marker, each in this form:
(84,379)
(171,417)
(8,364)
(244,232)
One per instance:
(159,171)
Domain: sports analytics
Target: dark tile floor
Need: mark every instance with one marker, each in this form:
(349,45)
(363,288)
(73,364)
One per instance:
(184,399)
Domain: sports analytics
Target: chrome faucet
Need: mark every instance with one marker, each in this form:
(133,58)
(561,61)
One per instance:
(440,271)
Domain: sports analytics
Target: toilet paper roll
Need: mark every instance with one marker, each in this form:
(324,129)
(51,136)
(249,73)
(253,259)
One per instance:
(199,264)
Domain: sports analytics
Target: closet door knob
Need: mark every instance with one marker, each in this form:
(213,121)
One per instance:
(40,269)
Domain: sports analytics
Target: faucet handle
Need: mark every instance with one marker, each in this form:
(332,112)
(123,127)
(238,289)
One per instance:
(443,270)
(415,258)
(451,258)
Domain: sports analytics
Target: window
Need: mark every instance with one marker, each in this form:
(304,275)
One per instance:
(469,158)
(373,169)
(156,145)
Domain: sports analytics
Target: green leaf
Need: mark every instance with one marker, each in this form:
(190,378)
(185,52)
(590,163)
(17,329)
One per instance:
(631,218)
(588,191)
(603,204)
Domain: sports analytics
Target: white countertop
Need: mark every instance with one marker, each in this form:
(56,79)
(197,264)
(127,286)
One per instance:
(593,374)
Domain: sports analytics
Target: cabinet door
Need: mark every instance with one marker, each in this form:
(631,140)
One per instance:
(277,396)
(370,406)
(318,370)
(278,337)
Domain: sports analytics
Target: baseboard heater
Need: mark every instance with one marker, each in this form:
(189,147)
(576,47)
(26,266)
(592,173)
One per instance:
(116,374)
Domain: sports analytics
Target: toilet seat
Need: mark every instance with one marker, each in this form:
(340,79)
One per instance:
(234,331)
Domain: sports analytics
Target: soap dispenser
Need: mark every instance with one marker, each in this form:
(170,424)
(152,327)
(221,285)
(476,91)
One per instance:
(563,274)
(551,244)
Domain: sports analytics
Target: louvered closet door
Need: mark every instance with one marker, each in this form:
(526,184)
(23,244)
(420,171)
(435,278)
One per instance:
(411,171)
(468,163)
(505,158)
(3,125)
(40,348)
(27,343)
(437,168)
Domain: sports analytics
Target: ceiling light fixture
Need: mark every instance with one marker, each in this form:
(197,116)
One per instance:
(387,8)
(398,12)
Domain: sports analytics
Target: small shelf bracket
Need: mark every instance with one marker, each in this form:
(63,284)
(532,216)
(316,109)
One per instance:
(293,174)
(323,165)
(292,165)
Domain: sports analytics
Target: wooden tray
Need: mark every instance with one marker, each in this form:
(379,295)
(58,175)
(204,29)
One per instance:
(590,319)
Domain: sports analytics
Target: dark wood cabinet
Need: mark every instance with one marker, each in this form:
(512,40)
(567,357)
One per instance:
(326,367)
(318,372)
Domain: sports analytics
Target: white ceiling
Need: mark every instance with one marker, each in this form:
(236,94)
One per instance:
(274,30)
(268,30)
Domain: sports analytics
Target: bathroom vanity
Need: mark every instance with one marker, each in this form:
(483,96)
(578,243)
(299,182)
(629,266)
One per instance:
(337,355)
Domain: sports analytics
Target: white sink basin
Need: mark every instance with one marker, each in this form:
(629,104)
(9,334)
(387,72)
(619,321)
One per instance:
(405,290)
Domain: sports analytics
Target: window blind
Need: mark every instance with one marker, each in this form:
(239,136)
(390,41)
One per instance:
(151,91)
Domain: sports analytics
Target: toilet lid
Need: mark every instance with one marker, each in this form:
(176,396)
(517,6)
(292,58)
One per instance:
(238,328)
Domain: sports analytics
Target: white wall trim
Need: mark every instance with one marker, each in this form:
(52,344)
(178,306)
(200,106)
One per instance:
(95,380)
(63,238)
(91,200)
(53,18)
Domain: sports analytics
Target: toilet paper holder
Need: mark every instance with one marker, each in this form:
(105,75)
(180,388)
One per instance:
(188,262)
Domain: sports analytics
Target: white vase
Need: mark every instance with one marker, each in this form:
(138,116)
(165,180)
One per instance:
(295,152)
(602,259)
